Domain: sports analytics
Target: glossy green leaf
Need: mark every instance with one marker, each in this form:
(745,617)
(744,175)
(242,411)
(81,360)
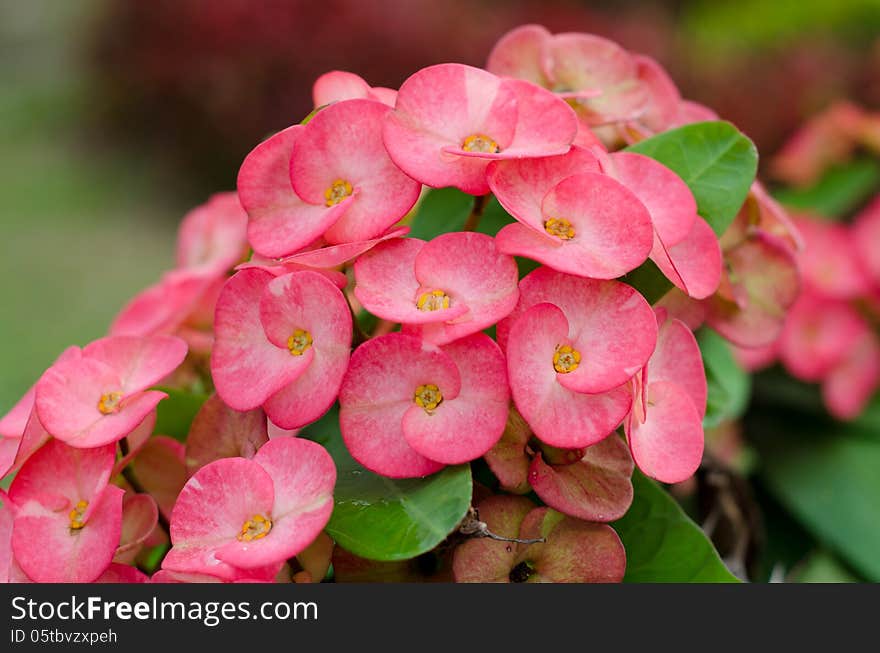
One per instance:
(823,567)
(729,384)
(176,413)
(825,474)
(839,192)
(715,160)
(389,519)
(649,281)
(662,544)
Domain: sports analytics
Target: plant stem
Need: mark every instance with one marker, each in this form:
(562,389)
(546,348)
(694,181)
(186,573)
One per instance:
(128,475)
(473,220)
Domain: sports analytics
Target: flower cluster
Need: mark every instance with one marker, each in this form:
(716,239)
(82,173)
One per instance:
(564,378)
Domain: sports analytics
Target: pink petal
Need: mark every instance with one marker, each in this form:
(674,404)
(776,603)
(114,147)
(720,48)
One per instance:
(522,53)
(246,367)
(677,359)
(596,488)
(136,441)
(521,184)
(139,362)
(335,255)
(664,100)
(827,263)
(669,201)
(117,573)
(850,385)
(866,235)
(508,459)
(280,223)
(219,431)
(612,325)
(545,124)
(338,85)
(694,264)
(161,469)
(344,141)
(668,446)
(164,306)
(213,236)
(139,517)
(49,551)
(439,107)
(388,287)
(464,428)
(557,415)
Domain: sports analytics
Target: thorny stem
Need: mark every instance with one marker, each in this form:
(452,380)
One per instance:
(471,525)
(359,336)
(473,219)
(128,475)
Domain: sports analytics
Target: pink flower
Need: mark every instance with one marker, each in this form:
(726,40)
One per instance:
(340,85)
(849,386)
(830,261)
(407,408)
(213,237)
(598,77)
(571,345)
(453,286)
(665,426)
(281,343)
(866,237)
(450,120)
(330,178)
(99,395)
(68,519)
(238,518)
(570,216)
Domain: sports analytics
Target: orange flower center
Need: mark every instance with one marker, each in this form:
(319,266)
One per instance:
(480,143)
(255,528)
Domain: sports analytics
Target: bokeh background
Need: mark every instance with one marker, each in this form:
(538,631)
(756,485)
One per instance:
(116,116)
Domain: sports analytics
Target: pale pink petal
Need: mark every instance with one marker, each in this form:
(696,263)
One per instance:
(280,223)
(558,416)
(164,306)
(668,446)
(246,367)
(139,517)
(677,359)
(334,255)
(522,53)
(464,428)
(344,142)
(338,85)
(213,236)
(545,124)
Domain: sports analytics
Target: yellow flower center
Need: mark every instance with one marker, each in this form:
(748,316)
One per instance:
(109,403)
(299,342)
(76,515)
(559,227)
(428,397)
(480,143)
(433,301)
(255,528)
(338,191)
(566,359)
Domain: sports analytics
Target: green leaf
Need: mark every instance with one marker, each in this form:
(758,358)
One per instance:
(447,209)
(389,519)
(662,544)
(715,160)
(729,384)
(823,567)
(825,474)
(839,192)
(649,281)
(176,413)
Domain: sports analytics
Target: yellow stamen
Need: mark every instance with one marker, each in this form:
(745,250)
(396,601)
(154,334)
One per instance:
(76,515)
(338,191)
(299,342)
(559,227)
(428,397)
(110,403)
(480,143)
(566,359)
(255,528)
(433,301)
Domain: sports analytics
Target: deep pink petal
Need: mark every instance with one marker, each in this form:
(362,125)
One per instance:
(117,573)
(462,429)
(558,416)
(279,222)
(827,263)
(849,386)
(218,431)
(668,446)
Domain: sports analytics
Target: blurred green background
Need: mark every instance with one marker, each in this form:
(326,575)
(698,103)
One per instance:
(118,116)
